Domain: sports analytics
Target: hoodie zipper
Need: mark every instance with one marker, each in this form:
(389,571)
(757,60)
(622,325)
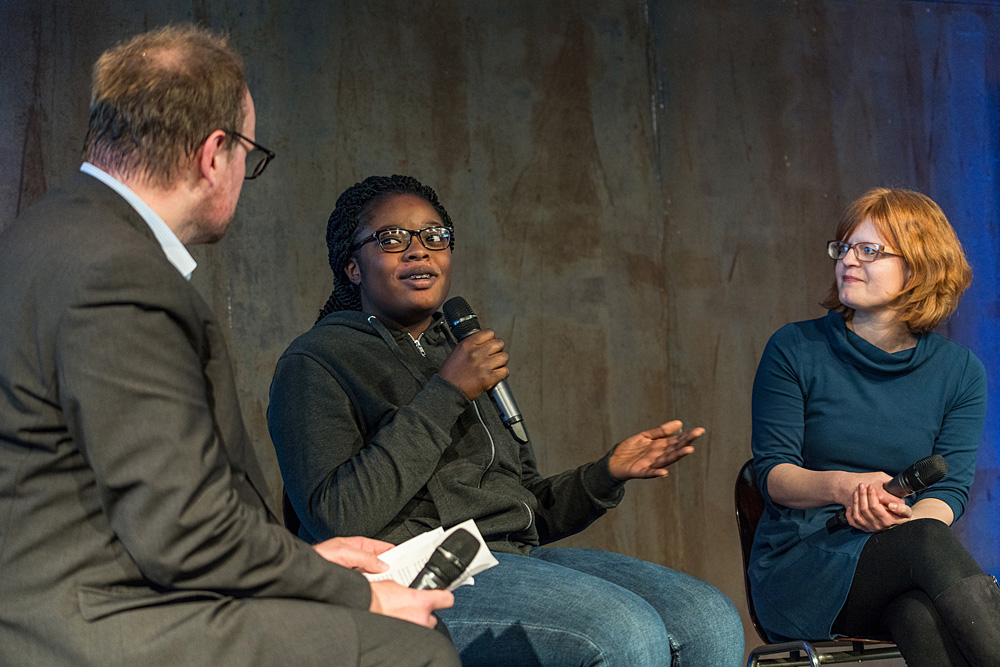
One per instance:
(420,348)
(493,452)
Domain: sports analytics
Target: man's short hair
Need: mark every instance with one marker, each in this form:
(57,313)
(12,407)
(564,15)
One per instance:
(157,97)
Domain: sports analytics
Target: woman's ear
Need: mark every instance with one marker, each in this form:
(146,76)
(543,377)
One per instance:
(353,271)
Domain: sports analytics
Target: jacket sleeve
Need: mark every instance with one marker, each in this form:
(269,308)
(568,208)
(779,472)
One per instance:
(572,500)
(338,484)
(134,372)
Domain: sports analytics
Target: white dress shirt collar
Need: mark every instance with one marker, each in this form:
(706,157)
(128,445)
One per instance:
(175,251)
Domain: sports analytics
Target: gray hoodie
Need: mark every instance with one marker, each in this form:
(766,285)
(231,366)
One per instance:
(372,442)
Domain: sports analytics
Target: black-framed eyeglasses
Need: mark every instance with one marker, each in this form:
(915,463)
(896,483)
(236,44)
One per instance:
(396,239)
(864,251)
(257,157)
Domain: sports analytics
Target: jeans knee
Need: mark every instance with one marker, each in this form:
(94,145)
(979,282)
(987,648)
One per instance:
(632,634)
(712,634)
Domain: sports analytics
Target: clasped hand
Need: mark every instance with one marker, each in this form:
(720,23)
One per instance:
(871,508)
(648,454)
(388,597)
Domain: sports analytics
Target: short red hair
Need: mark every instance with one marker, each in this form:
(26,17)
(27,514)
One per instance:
(916,228)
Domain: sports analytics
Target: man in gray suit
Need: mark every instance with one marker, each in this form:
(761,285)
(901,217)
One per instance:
(136,527)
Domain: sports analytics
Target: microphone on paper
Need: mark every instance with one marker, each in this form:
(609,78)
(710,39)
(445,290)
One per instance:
(463,322)
(452,557)
(916,478)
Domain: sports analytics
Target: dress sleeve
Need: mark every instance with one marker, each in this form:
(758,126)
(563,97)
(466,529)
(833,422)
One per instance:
(778,408)
(132,358)
(338,483)
(958,439)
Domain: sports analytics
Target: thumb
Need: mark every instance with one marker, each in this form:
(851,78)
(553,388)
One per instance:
(365,561)
(440,599)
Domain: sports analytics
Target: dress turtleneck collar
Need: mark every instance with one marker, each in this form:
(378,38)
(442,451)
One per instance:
(868,358)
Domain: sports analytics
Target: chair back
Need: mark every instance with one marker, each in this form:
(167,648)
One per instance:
(749,508)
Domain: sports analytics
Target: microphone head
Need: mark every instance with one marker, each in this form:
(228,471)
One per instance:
(926,471)
(454,555)
(460,318)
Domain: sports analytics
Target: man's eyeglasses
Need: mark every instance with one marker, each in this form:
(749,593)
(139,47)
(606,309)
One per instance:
(395,239)
(865,252)
(257,157)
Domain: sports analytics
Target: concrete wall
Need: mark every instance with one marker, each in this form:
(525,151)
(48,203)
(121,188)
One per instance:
(641,192)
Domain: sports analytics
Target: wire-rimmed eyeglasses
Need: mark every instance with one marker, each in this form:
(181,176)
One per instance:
(864,251)
(257,157)
(396,239)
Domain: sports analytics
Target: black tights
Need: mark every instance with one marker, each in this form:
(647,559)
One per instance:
(899,573)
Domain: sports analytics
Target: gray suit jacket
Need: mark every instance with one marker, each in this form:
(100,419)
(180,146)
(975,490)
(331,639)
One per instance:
(135,522)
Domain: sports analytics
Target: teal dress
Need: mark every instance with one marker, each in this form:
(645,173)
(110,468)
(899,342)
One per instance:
(826,399)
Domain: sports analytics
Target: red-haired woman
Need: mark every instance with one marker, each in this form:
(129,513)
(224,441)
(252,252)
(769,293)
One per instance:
(840,402)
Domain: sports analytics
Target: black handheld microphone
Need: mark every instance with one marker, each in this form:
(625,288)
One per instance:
(463,322)
(920,475)
(448,561)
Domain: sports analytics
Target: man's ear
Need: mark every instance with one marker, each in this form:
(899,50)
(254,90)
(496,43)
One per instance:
(210,156)
(353,271)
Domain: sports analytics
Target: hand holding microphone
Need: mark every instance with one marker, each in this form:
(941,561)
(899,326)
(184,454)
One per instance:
(452,557)
(392,599)
(479,363)
(427,593)
(916,478)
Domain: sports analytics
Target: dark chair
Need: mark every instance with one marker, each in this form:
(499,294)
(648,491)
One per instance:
(749,507)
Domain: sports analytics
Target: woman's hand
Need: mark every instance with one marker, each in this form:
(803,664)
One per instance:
(873,509)
(476,364)
(648,454)
(846,483)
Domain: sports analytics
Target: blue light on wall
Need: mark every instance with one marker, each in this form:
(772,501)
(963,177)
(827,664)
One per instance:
(965,181)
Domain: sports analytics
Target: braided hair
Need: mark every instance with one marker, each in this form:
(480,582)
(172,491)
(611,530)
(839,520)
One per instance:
(353,210)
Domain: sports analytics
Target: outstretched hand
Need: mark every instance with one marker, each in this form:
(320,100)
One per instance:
(648,454)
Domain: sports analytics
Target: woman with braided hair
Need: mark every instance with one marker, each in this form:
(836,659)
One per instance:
(382,429)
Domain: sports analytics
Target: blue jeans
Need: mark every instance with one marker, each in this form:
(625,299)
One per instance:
(585,607)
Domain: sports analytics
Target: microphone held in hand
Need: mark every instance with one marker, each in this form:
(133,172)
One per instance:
(452,557)
(463,322)
(916,478)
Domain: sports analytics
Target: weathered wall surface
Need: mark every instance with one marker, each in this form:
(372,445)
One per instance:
(641,192)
